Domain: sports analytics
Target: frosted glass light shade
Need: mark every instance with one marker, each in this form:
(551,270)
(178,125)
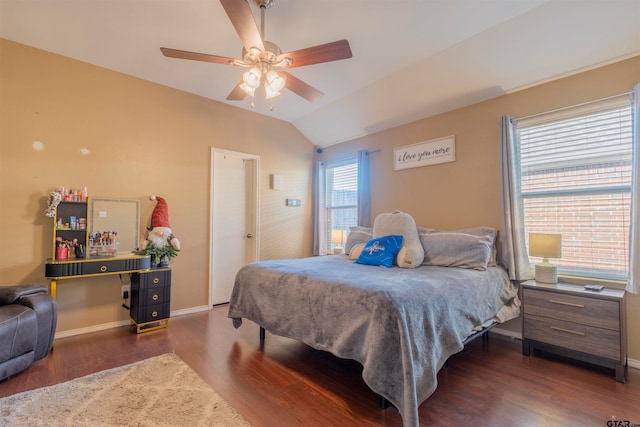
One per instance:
(248,90)
(275,81)
(270,93)
(252,77)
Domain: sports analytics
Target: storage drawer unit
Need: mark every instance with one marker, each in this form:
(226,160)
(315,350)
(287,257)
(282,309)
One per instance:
(151,299)
(571,321)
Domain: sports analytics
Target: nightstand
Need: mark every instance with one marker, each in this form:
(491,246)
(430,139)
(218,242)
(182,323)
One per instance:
(150,299)
(573,322)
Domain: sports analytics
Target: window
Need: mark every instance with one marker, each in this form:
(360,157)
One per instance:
(576,180)
(341,199)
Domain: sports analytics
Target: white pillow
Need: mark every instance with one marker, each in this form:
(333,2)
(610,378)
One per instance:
(411,254)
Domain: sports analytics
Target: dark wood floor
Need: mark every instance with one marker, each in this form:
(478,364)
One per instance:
(285,383)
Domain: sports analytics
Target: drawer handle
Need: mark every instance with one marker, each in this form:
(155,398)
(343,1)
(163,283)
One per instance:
(154,297)
(154,314)
(555,328)
(572,304)
(103,268)
(156,281)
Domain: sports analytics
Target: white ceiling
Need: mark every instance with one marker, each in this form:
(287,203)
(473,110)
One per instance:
(411,58)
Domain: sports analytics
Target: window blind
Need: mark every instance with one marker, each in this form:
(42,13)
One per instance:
(576,180)
(342,196)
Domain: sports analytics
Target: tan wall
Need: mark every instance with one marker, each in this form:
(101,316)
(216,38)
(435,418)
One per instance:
(148,139)
(143,139)
(466,193)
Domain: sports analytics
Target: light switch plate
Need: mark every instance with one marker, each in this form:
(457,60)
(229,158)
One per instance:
(276,182)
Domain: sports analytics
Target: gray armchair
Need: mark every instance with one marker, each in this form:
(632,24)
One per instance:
(28,316)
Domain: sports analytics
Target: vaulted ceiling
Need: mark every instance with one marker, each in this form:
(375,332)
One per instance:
(411,58)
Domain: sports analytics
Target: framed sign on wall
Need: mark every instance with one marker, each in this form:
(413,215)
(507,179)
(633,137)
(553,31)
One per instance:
(434,151)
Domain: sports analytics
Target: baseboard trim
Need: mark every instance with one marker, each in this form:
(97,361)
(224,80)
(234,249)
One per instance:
(191,310)
(632,363)
(120,323)
(90,329)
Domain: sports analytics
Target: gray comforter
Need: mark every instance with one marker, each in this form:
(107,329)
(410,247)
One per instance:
(400,324)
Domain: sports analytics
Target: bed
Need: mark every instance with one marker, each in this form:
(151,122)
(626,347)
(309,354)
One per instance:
(401,324)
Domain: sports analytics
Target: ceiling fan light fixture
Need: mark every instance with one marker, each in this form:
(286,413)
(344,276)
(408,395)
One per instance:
(252,78)
(275,81)
(248,89)
(263,58)
(270,93)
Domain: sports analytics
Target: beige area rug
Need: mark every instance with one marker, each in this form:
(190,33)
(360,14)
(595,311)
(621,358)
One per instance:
(161,391)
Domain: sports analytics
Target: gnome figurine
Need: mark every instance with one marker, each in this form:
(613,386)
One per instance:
(159,232)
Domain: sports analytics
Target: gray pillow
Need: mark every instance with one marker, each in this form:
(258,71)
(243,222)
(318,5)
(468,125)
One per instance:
(356,235)
(454,249)
(490,232)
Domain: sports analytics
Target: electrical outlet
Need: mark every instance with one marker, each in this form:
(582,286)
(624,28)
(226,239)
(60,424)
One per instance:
(125,291)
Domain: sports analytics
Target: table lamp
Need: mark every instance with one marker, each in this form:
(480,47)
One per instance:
(337,238)
(545,246)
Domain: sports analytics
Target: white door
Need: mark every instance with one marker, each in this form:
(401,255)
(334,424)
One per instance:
(234,219)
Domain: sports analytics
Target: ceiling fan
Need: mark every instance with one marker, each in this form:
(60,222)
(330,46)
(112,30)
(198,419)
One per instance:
(263,58)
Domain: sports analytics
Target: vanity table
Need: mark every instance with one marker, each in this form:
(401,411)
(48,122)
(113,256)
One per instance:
(98,238)
(79,249)
(82,268)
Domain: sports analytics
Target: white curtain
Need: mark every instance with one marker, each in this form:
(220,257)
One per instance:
(364,190)
(319,209)
(633,285)
(514,250)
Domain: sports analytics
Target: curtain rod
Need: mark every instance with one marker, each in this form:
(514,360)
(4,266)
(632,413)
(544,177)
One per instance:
(574,106)
(349,158)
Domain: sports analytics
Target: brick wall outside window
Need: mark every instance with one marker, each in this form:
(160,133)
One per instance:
(575,169)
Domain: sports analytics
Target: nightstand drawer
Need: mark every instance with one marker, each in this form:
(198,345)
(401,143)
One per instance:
(584,310)
(587,339)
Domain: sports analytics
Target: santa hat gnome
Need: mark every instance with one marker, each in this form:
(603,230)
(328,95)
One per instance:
(160,218)
(160,215)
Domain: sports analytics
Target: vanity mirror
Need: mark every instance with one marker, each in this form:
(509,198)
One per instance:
(116,215)
(115,223)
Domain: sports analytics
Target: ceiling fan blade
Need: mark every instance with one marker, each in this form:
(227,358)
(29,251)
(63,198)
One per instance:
(240,15)
(183,54)
(237,94)
(301,88)
(327,52)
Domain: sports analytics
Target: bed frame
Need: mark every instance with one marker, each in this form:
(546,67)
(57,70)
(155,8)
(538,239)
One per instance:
(383,402)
